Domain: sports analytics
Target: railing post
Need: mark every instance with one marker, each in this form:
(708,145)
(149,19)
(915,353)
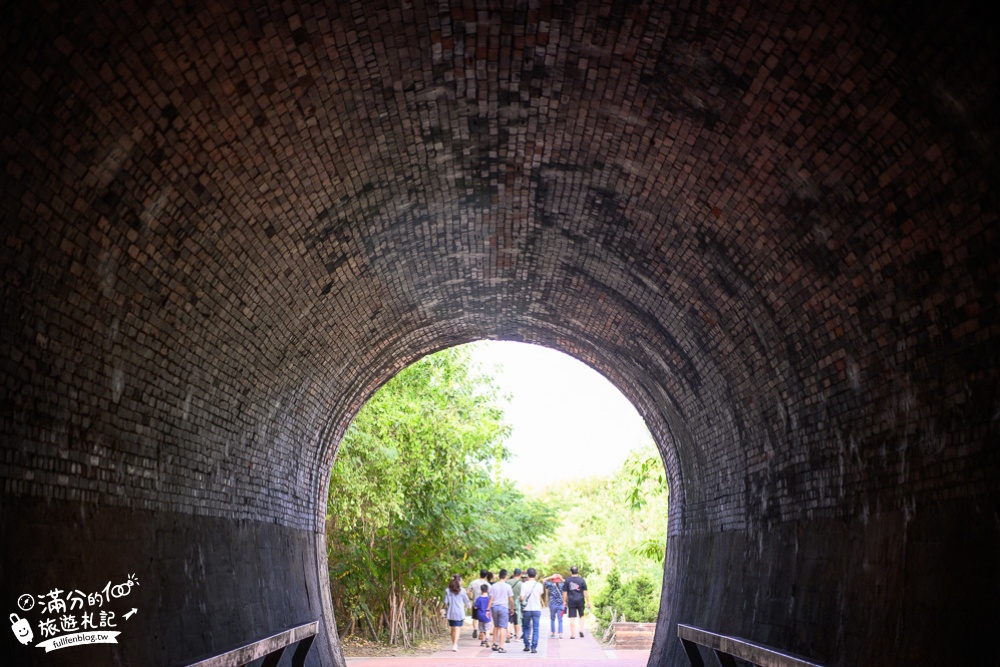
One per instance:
(272,658)
(268,649)
(725,660)
(299,657)
(693,654)
(727,649)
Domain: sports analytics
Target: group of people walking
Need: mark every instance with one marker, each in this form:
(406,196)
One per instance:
(504,608)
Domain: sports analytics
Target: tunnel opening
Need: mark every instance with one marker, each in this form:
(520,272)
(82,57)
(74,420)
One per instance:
(499,456)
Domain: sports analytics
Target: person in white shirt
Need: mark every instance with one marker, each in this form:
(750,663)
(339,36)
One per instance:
(531,609)
(474,592)
(501,601)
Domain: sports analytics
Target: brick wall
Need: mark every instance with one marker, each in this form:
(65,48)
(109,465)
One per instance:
(773,227)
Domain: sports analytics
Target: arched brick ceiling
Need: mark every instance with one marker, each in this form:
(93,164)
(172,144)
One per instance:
(773,226)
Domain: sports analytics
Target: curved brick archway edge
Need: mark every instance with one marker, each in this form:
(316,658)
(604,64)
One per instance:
(774,228)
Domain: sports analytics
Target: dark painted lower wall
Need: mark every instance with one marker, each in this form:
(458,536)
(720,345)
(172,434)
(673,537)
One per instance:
(204,583)
(914,587)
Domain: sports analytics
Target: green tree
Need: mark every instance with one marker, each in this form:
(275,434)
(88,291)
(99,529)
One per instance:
(637,600)
(643,477)
(615,529)
(416,494)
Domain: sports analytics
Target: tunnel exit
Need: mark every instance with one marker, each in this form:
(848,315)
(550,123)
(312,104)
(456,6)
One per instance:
(497,456)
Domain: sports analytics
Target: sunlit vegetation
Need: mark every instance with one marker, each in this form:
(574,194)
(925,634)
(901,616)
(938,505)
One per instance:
(614,529)
(416,496)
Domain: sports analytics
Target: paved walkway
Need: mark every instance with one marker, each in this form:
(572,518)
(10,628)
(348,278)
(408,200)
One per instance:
(580,652)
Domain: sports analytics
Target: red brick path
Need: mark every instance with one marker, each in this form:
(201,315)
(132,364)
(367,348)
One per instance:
(579,652)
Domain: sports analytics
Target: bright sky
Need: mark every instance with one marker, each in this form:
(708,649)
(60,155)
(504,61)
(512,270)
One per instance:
(568,421)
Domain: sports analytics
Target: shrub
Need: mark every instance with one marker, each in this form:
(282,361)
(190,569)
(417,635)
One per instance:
(636,598)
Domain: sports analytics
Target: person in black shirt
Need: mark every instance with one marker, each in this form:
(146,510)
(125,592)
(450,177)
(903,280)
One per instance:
(574,594)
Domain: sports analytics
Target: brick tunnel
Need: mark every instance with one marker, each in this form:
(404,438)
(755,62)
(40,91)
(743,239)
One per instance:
(773,226)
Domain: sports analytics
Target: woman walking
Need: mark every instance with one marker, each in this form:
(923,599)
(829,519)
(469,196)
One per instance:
(456,601)
(554,589)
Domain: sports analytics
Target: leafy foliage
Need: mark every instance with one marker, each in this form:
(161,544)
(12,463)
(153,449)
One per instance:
(614,528)
(637,599)
(416,493)
(644,478)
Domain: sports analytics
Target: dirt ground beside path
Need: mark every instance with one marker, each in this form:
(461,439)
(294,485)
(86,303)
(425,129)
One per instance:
(359,647)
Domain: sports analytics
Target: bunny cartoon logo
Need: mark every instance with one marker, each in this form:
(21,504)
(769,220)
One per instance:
(21,628)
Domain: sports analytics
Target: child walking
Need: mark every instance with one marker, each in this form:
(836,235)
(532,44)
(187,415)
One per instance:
(482,606)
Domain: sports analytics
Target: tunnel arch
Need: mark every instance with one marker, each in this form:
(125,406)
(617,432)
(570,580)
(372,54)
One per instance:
(775,224)
(394,361)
